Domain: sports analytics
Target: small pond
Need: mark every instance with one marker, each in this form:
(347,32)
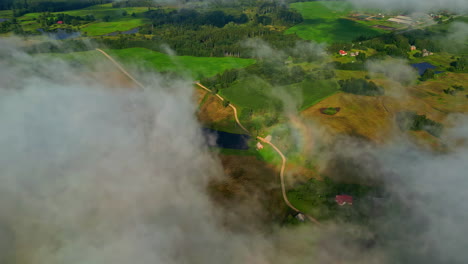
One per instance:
(423,66)
(3,20)
(60,34)
(222,139)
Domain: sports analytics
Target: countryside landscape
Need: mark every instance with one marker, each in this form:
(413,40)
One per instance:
(250,131)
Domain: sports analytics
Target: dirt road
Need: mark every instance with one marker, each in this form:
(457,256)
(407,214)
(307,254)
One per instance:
(283,158)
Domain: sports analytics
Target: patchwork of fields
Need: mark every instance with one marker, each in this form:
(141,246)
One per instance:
(117,21)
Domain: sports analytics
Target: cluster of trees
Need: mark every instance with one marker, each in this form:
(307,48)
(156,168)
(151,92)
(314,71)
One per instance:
(409,120)
(207,41)
(21,7)
(11,25)
(274,13)
(360,86)
(191,17)
(356,66)
(454,89)
(321,195)
(48,19)
(135,3)
(459,65)
(427,75)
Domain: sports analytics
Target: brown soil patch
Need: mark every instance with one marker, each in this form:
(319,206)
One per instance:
(111,79)
(198,95)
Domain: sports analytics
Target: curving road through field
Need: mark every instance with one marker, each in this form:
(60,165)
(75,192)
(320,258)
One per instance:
(283,158)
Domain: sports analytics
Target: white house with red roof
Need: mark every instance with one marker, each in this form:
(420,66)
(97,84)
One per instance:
(343,53)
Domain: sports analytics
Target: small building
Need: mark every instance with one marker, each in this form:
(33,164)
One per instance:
(344,199)
(352,54)
(259,146)
(60,22)
(300,216)
(413,47)
(343,53)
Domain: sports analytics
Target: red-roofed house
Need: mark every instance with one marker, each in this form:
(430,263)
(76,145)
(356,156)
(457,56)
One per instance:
(60,22)
(343,53)
(344,199)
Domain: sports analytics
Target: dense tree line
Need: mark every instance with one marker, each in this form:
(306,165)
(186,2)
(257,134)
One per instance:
(428,74)
(48,19)
(360,86)
(409,120)
(134,3)
(208,41)
(21,7)
(459,65)
(191,17)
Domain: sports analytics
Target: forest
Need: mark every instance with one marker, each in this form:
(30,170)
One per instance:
(21,7)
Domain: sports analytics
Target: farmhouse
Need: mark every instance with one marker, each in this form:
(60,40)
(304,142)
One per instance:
(259,146)
(300,217)
(413,47)
(343,53)
(344,199)
(60,22)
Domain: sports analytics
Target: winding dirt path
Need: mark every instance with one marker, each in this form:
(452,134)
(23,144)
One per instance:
(283,158)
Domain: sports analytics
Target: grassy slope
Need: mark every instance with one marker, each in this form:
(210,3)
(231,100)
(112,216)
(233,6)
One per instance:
(256,94)
(323,22)
(197,67)
(312,92)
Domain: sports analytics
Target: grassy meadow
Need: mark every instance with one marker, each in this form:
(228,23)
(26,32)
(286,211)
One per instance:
(117,21)
(325,22)
(195,67)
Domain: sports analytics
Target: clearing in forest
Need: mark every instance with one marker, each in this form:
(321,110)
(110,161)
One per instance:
(326,22)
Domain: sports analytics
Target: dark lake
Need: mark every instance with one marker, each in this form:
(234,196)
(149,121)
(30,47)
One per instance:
(131,31)
(222,139)
(60,34)
(3,20)
(423,66)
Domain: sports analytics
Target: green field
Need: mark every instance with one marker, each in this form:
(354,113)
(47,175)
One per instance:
(325,22)
(6,14)
(195,67)
(102,28)
(309,93)
(258,95)
(117,21)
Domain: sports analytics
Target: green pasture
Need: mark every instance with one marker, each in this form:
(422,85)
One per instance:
(117,21)
(308,93)
(101,28)
(197,67)
(325,22)
(6,14)
(258,95)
